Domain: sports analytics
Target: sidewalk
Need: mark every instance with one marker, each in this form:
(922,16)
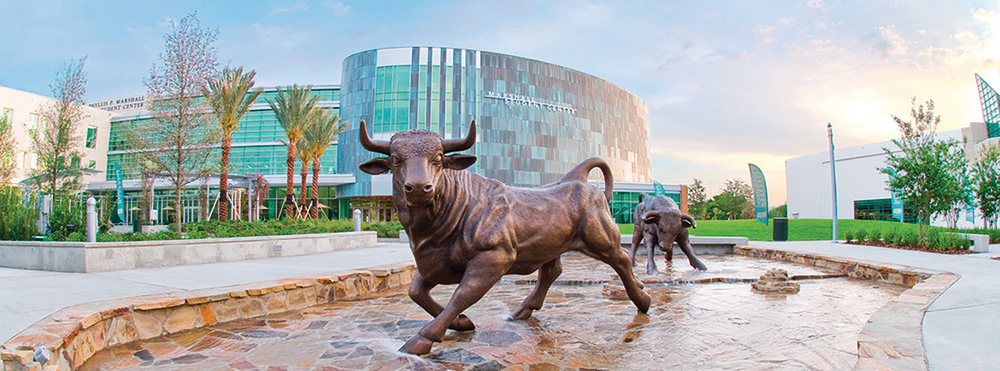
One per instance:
(961,327)
(28,296)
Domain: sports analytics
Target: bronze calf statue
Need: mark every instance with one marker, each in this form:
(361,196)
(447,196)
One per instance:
(659,221)
(469,230)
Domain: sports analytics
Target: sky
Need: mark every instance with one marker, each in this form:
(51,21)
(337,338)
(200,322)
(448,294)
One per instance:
(726,82)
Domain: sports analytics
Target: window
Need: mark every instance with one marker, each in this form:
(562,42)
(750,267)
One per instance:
(92,164)
(74,163)
(91,137)
(34,123)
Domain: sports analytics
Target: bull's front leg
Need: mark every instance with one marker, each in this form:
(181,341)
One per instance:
(420,293)
(651,243)
(685,245)
(636,240)
(482,272)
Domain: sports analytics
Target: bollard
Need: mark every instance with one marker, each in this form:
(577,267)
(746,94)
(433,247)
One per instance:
(357,220)
(91,220)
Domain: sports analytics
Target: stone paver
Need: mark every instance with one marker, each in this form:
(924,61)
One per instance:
(712,324)
(958,328)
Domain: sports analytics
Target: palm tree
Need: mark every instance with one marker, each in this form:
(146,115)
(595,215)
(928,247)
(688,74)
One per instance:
(319,137)
(302,149)
(230,97)
(294,111)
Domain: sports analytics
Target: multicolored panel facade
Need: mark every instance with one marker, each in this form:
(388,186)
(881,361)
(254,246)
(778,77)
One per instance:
(535,120)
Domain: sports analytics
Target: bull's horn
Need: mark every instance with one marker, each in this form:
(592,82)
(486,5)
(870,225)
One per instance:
(461,144)
(690,220)
(379,146)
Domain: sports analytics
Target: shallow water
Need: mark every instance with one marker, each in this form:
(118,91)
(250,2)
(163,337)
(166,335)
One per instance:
(711,325)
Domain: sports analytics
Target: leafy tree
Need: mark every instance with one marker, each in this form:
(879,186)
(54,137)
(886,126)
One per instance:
(697,199)
(8,162)
(778,212)
(295,110)
(55,141)
(727,206)
(319,137)
(986,180)
(178,140)
(929,174)
(230,97)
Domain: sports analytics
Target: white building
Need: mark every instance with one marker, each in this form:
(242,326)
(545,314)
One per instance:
(861,189)
(22,111)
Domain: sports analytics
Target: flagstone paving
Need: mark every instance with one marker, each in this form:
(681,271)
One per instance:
(704,323)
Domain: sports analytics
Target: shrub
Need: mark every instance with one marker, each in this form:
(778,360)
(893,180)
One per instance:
(850,235)
(76,237)
(66,213)
(910,239)
(874,236)
(17,221)
(385,229)
(891,237)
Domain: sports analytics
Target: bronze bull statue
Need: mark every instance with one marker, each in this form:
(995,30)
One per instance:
(468,230)
(659,222)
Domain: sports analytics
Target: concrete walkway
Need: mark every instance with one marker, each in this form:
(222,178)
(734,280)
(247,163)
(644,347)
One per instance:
(960,328)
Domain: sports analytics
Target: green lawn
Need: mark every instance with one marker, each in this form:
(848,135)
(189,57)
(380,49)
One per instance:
(798,229)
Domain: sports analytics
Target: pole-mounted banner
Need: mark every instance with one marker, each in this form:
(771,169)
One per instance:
(119,193)
(759,193)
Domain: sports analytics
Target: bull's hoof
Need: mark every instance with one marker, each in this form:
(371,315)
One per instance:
(651,271)
(462,323)
(521,313)
(642,303)
(417,345)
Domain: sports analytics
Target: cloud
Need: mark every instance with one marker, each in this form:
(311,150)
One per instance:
(764,35)
(787,21)
(290,9)
(815,4)
(338,8)
(887,42)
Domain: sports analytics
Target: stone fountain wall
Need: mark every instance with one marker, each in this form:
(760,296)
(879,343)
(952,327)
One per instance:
(72,335)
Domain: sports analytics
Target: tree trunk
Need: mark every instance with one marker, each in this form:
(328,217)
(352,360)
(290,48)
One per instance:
(289,198)
(314,209)
(224,179)
(177,208)
(304,208)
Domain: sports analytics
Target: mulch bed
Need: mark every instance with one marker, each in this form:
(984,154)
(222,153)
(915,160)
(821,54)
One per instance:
(919,248)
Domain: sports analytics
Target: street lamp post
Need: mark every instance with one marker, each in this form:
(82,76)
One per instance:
(833,180)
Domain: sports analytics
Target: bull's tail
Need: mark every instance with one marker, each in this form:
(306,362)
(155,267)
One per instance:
(580,172)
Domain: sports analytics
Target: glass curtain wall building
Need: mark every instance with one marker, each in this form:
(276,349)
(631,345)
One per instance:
(536,120)
(257,147)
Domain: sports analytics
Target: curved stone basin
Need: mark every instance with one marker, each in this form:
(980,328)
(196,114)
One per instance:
(716,325)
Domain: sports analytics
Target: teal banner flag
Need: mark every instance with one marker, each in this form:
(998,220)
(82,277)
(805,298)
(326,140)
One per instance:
(759,193)
(970,213)
(658,189)
(120,193)
(897,203)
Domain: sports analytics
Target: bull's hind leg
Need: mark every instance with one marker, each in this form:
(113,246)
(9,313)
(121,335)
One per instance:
(547,274)
(604,244)
(420,293)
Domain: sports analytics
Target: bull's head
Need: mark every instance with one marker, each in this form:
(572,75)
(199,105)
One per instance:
(668,224)
(417,158)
